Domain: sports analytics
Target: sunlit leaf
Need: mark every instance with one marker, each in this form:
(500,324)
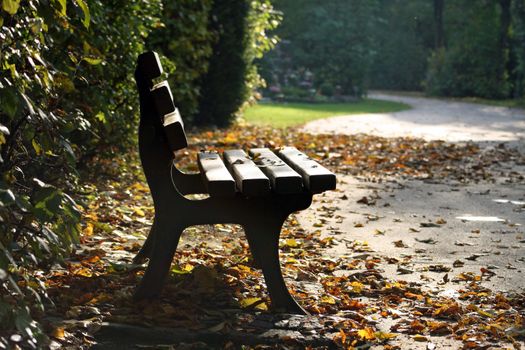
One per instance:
(10,6)
(92,61)
(85,10)
(366,333)
(256,303)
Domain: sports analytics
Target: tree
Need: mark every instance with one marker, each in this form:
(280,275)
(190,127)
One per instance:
(439,41)
(473,63)
(518,47)
(403,41)
(331,39)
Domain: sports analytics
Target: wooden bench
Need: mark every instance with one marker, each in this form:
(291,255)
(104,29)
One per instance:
(257,190)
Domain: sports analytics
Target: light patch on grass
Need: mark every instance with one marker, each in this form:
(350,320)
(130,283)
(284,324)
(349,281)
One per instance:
(293,114)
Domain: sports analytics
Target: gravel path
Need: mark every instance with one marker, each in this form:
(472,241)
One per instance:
(431,119)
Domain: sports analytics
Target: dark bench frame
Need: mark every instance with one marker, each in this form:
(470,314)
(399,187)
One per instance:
(261,217)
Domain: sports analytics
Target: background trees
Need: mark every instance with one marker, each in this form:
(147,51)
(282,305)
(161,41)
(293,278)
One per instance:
(444,47)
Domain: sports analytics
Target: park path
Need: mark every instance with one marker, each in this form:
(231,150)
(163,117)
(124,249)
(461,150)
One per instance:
(431,119)
(440,223)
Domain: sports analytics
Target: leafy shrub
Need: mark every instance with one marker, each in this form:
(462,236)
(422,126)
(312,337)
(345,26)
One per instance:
(323,38)
(223,85)
(295,93)
(473,64)
(327,89)
(66,93)
(188,49)
(232,76)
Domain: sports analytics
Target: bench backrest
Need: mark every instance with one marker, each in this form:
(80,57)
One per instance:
(160,98)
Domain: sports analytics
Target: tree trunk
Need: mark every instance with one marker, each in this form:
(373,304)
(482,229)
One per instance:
(518,48)
(439,35)
(504,41)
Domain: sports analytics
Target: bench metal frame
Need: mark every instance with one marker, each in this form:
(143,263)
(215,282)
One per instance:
(261,217)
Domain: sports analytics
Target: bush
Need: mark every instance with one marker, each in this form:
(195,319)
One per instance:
(327,89)
(232,77)
(67,93)
(188,51)
(473,64)
(223,89)
(295,93)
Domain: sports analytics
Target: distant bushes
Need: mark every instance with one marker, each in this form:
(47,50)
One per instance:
(473,63)
(331,40)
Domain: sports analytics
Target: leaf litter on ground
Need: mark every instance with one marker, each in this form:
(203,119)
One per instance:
(214,286)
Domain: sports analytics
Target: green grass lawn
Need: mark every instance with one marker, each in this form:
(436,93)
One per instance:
(291,114)
(510,103)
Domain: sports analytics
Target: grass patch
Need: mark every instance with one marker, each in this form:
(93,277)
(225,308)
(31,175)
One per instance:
(292,114)
(510,103)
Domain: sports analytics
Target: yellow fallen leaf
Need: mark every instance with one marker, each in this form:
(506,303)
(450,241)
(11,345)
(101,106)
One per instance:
(230,138)
(384,336)
(366,333)
(59,333)
(83,272)
(357,287)
(292,243)
(256,303)
(88,231)
(139,212)
(327,299)
(419,337)
(139,187)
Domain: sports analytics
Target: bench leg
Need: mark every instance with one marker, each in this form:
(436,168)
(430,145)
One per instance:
(145,251)
(164,246)
(263,238)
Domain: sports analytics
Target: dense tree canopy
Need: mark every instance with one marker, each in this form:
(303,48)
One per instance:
(446,47)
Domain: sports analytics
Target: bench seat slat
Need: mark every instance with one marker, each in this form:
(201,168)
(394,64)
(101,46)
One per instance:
(250,180)
(317,178)
(216,177)
(282,177)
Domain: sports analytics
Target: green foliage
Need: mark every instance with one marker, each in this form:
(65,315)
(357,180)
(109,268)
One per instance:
(473,64)
(403,39)
(210,54)
(331,39)
(66,92)
(232,77)
(223,89)
(391,44)
(518,48)
(188,50)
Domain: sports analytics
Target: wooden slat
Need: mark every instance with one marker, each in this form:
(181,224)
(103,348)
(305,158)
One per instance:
(250,180)
(162,99)
(170,116)
(149,65)
(317,178)
(283,179)
(174,129)
(216,177)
